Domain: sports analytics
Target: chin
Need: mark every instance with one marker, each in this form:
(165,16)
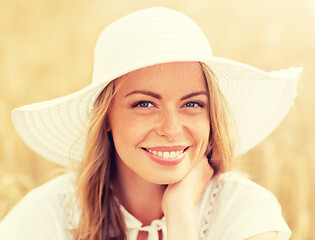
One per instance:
(166,180)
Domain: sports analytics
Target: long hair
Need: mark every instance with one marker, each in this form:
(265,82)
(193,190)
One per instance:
(220,150)
(101,217)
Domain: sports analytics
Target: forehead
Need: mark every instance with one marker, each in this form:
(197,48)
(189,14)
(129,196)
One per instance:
(175,77)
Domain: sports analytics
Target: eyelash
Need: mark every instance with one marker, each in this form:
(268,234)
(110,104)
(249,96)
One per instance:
(137,104)
(200,104)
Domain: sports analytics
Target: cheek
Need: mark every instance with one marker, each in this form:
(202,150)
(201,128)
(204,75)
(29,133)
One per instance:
(127,130)
(200,125)
(200,131)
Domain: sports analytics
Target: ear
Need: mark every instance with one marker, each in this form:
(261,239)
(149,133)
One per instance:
(108,128)
(106,122)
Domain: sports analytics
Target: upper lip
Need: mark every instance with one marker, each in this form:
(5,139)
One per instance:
(167,148)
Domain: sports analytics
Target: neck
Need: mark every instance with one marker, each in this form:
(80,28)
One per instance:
(140,198)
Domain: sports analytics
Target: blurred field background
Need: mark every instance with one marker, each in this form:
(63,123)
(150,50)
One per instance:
(46,50)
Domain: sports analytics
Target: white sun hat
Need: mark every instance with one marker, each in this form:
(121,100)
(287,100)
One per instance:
(258,100)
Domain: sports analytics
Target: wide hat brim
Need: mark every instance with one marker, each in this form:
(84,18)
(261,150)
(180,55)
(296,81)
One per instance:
(258,100)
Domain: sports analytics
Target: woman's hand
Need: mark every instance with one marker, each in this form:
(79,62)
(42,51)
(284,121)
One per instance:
(180,198)
(190,188)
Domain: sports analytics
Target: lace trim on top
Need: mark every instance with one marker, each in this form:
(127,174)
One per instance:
(71,210)
(205,224)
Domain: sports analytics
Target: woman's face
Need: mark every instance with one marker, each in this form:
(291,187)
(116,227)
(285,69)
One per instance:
(159,120)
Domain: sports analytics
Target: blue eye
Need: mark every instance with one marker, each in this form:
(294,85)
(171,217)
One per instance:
(193,104)
(142,104)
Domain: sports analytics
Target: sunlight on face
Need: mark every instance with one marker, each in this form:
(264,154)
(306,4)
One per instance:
(159,120)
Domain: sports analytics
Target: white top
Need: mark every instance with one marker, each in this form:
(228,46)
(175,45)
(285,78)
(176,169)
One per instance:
(231,208)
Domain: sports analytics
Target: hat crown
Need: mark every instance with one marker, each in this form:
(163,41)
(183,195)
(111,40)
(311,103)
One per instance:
(147,37)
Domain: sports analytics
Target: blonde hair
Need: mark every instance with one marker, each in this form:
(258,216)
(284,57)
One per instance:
(101,217)
(220,148)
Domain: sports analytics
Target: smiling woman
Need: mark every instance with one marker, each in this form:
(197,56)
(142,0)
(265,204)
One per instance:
(160,121)
(151,141)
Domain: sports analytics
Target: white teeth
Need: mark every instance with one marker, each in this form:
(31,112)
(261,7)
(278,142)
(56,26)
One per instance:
(167,155)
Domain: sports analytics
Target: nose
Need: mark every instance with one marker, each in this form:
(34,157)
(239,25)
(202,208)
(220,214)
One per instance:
(170,125)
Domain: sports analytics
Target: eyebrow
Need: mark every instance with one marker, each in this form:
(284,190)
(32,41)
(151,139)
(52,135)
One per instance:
(157,96)
(194,94)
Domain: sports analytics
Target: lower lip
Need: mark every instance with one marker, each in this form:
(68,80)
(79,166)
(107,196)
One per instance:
(163,161)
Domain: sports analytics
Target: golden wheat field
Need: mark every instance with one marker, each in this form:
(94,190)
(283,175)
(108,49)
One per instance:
(46,50)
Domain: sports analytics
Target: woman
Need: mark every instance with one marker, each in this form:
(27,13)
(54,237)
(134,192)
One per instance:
(152,141)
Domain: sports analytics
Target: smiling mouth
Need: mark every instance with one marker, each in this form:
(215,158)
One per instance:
(166,154)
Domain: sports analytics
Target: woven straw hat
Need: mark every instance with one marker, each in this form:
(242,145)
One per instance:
(258,100)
